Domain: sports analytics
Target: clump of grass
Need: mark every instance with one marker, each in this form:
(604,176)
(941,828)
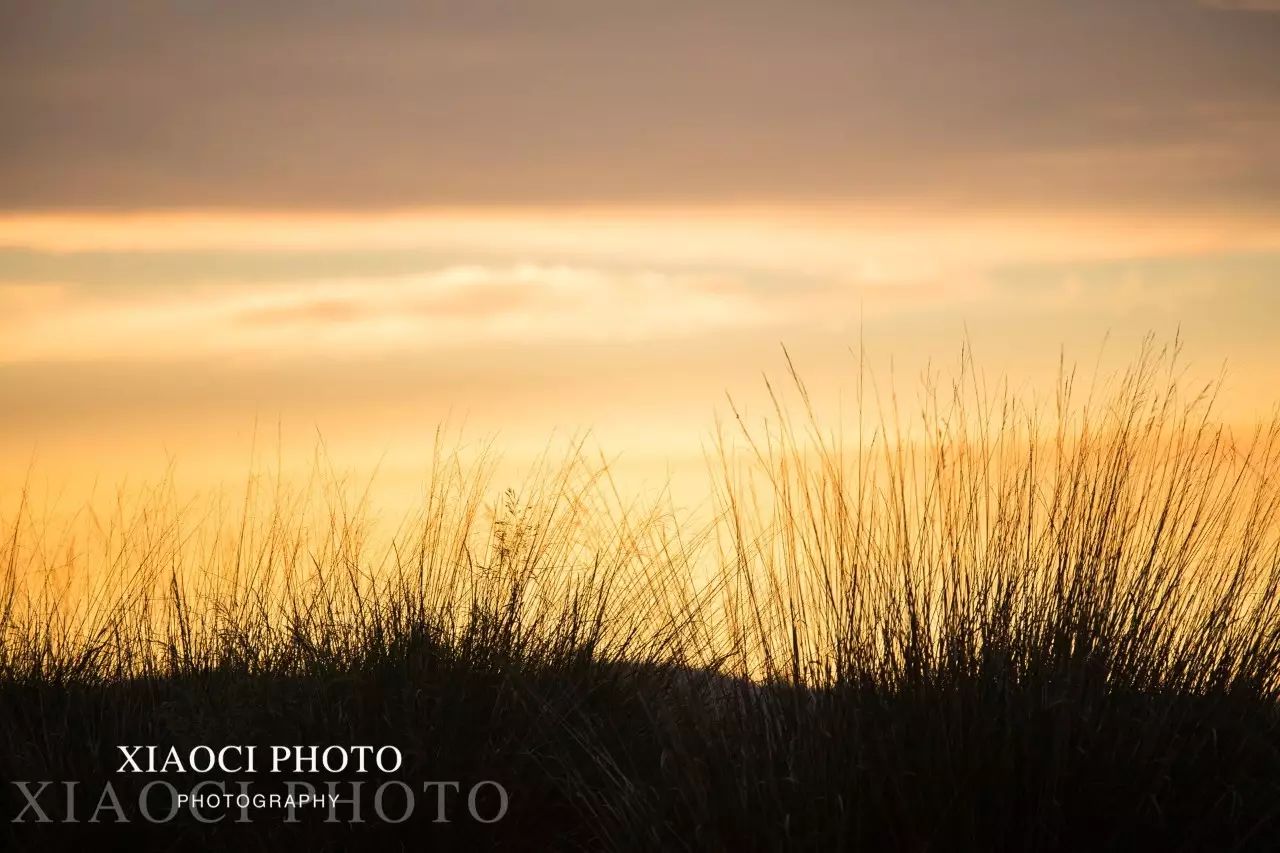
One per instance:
(992,626)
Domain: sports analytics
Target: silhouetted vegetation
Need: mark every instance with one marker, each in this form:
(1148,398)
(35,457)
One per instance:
(990,627)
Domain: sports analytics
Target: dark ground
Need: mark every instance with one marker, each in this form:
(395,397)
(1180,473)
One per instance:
(597,756)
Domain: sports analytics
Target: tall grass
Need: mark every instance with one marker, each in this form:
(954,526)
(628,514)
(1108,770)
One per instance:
(990,624)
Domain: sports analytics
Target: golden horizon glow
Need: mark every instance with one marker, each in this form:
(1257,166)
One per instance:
(633,323)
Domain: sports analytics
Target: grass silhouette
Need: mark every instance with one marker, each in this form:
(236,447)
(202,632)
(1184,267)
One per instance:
(989,626)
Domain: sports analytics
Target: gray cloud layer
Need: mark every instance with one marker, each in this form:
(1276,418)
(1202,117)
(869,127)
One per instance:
(1245,5)
(247,104)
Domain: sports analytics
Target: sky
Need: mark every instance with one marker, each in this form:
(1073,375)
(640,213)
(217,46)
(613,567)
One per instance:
(353,221)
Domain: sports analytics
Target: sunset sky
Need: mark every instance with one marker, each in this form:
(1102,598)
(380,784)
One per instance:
(358,219)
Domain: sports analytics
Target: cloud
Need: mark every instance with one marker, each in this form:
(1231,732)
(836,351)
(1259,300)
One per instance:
(136,251)
(20,300)
(324,311)
(462,306)
(1244,5)
(344,106)
(193,287)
